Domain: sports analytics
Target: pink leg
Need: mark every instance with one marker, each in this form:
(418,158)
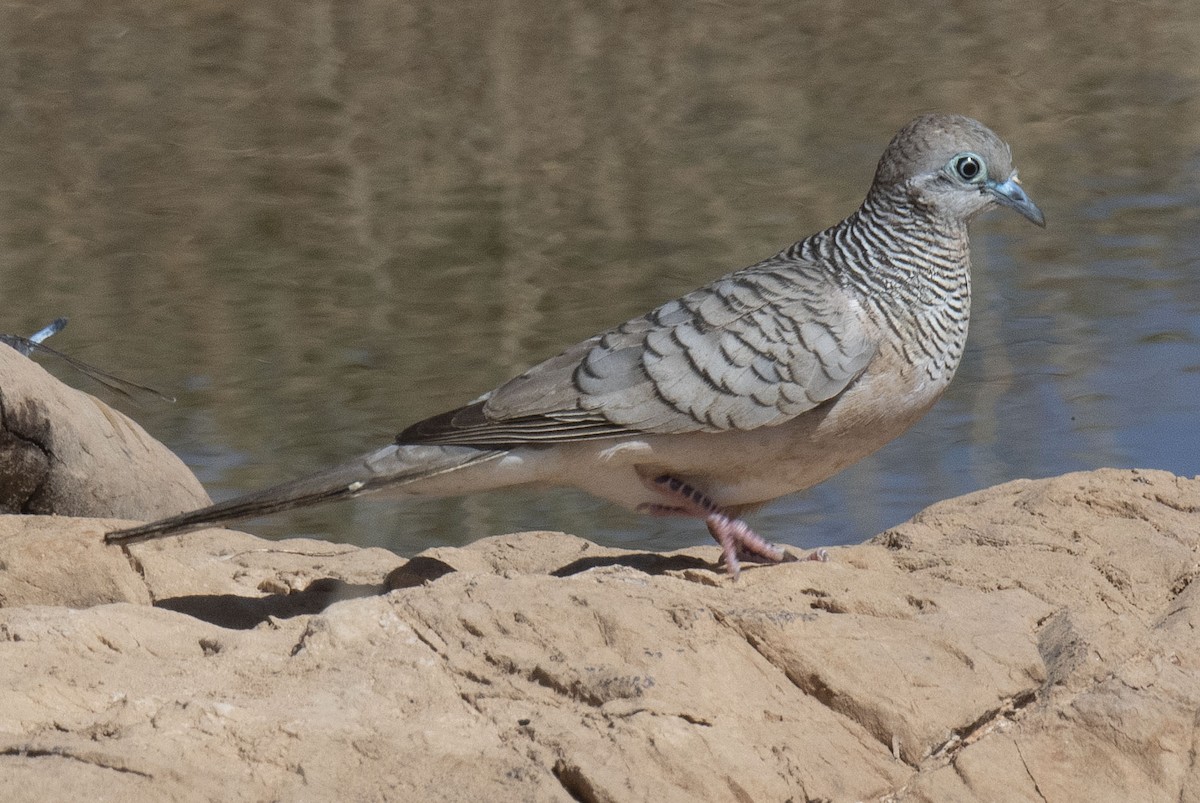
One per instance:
(736,538)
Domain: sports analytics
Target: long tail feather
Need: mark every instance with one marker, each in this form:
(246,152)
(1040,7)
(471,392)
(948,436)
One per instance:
(387,467)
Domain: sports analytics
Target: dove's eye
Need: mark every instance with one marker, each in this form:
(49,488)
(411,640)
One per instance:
(968,167)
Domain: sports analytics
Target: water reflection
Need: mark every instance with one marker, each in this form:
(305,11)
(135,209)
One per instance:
(317,222)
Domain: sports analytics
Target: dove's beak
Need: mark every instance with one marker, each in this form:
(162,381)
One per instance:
(1011,194)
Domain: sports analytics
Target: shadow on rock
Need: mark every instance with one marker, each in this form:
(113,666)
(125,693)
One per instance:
(427,569)
(648,562)
(417,571)
(244,613)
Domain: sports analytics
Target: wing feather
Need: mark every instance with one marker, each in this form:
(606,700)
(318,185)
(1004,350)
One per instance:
(753,349)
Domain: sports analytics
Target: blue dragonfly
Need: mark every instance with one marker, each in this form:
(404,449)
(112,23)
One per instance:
(33,345)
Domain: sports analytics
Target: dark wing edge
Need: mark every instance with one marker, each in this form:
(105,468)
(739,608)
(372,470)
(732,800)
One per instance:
(470,426)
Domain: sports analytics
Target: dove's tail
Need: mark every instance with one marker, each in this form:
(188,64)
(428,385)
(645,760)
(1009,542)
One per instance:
(392,466)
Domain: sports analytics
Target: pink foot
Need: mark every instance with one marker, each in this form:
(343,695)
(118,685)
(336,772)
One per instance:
(736,538)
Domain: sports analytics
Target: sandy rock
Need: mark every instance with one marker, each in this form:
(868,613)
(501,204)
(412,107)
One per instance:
(46,560)
(222,576)
(68,453)
(1034,641)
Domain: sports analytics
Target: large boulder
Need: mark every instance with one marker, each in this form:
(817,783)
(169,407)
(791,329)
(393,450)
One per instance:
(65,452)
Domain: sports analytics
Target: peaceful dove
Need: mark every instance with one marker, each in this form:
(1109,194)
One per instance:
(763,383)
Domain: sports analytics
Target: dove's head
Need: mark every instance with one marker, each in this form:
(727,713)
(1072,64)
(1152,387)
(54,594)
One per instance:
(954,166)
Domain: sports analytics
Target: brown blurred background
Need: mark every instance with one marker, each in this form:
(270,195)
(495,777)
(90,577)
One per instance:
(316,222)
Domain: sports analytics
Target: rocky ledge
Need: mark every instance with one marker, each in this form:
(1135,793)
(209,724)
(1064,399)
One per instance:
(1034,641)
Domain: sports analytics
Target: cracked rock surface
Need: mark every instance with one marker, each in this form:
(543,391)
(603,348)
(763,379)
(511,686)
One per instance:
(65,452)
(1033,641)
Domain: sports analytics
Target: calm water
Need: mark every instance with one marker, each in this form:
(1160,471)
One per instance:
(317,222)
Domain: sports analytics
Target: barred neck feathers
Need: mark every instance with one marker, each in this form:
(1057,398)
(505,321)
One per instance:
(895,250)
(910,268)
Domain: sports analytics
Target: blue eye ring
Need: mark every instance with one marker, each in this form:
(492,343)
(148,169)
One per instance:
(968,167)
